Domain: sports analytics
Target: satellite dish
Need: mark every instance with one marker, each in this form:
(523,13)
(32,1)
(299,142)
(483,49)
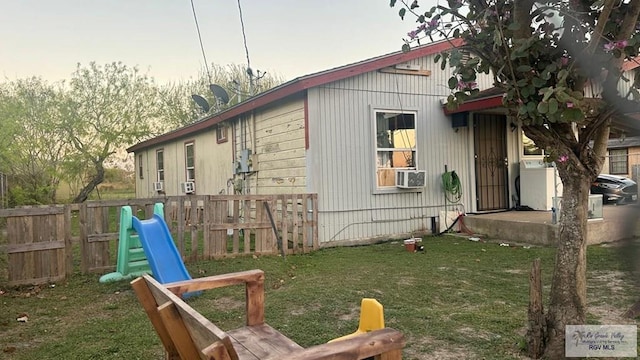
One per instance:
(219,93)
(202,102)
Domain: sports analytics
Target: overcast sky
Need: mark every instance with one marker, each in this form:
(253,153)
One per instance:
(288,37)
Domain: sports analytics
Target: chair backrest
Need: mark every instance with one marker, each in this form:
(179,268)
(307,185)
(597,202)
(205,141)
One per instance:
(371,315)
(184,332)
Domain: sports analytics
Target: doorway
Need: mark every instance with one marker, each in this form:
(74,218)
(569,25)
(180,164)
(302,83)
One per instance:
(490,155)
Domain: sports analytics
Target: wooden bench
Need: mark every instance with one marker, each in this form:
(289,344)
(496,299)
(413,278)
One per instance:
(186,334)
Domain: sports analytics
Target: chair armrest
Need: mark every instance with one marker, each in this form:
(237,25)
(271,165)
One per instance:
(362,346)
(254,290)
(215,281)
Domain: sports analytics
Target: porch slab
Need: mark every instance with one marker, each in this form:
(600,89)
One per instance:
(536,227)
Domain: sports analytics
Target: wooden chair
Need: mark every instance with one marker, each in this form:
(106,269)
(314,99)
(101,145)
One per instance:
(186,334)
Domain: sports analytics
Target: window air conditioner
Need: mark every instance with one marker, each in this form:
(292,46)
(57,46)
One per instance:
(188,187)
(158,186)
(410,179)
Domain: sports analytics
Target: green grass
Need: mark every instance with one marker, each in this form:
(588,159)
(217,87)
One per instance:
(457,299)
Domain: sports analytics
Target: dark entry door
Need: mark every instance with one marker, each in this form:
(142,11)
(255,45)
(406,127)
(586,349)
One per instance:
(490,144)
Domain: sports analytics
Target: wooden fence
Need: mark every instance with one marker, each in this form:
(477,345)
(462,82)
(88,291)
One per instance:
(40,241)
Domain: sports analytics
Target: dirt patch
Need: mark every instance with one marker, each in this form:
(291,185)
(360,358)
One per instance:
(469,332)
(407,281)
(514,271)
(227,303)
(608,291)
(354,313)
(419,350)
(303,310)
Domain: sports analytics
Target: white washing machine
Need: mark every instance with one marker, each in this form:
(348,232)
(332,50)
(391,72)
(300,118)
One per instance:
(539,184)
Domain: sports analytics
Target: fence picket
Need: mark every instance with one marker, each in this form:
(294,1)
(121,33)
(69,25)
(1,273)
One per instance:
(41,240)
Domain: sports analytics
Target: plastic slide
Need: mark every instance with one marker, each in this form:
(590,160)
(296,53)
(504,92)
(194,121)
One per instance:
(132,261)
(163,256)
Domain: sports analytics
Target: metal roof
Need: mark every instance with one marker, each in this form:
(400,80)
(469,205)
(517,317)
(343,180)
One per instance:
(298,85)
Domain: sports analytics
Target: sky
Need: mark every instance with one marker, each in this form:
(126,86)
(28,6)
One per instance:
(289,38)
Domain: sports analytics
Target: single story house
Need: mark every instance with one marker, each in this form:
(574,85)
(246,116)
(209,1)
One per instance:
(623,157)
(372,139)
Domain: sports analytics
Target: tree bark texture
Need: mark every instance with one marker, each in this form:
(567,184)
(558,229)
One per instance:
(536,332)
(97,179)
(568,296)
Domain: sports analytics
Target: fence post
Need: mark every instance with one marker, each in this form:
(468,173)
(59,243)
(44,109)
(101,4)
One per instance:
(68,248)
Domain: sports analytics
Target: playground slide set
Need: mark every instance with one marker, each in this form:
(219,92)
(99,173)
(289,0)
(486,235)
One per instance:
(146,246)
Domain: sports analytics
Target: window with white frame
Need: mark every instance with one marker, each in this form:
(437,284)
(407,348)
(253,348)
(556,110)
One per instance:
(395,144)
(221,133)
(618,161)
(160,164)
(190,163)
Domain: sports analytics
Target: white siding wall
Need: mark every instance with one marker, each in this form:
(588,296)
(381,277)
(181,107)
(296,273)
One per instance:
(275,135)
(341,155)
(213,166)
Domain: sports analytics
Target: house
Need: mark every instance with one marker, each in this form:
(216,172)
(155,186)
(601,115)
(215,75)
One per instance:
(370,138)
(623,157)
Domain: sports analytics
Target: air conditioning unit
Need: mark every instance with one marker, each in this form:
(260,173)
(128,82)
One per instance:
(158,186)
(188,187)
(410,179)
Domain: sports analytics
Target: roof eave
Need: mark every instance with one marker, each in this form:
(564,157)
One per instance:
(298,85)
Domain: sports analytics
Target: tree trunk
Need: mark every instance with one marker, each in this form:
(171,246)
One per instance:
(568,296)
(97,179)
(537,323)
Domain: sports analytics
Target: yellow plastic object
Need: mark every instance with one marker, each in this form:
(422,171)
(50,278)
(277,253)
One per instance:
(371,318)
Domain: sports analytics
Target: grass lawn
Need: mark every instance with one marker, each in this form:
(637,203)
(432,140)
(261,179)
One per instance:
(456,300)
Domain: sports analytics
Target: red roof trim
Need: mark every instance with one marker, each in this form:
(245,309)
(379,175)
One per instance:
(475,105)
(631,64)
(297,85)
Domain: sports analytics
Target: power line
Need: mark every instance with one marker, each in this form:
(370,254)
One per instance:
(244,37)
(206,64)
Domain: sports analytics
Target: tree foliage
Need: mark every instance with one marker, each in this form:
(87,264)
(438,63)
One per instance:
(31,148)
(108,107)
(72,131)
(178,108)
(559,64)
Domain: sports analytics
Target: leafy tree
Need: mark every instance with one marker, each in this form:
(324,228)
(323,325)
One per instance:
(31,150)
(178,108)
(560,64)
(108,107)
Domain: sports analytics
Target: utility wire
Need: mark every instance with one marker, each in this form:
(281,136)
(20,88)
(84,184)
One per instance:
(244,36)
(246,50)
(206,64)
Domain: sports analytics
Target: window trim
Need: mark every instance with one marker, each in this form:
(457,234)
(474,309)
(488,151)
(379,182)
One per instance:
(372,121)
(140,167)
(158,169)
(626,161)
(222,133)
(191,143)
(521,143)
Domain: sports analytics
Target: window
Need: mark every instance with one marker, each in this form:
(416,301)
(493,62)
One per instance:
(221,133)
(618,161)
(140,169)
(190,165)
(160,164)
(395,145)
(529,148)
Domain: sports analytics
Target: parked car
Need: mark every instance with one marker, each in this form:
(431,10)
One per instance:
(615,189)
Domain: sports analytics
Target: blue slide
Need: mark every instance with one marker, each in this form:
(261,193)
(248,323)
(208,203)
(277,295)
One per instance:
(163,256)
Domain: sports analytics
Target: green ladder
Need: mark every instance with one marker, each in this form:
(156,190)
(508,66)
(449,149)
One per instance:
(132,261)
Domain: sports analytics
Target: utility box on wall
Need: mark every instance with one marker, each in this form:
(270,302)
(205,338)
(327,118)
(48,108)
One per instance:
(595,207)
(539,184)
(243,165)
